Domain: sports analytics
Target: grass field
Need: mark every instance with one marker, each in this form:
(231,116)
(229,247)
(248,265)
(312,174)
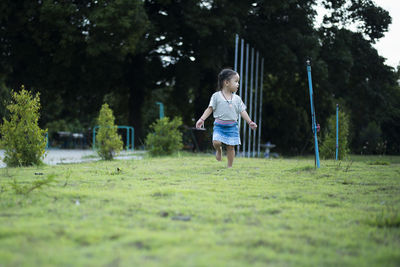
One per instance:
(189,210)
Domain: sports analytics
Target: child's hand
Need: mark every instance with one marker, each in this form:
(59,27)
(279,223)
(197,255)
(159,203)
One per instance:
(200,123)
(253,125)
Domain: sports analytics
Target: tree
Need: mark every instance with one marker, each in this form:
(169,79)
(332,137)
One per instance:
(358,76)
(134,53)
(108,141)
(21,138)
(371,20)
(74,51)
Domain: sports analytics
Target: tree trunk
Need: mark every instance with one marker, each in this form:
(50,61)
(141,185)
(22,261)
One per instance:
(135,78)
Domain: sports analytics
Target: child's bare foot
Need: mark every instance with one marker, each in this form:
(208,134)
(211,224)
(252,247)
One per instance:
(218,155)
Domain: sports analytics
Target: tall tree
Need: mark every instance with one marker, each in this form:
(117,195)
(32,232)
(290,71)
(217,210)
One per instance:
(134,53)
(72,51)
(356,73)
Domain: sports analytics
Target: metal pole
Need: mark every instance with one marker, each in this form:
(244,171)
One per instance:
(261,102)
(161,109)
(127,138)
(314,124)
(245,96)
(255,103)
(251,95)
(337,131)
(47,140)
(236,50)
(240,87)
(133,138)
(94,138)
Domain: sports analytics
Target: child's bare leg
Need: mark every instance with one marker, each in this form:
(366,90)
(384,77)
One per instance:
(230,153)
(218,147)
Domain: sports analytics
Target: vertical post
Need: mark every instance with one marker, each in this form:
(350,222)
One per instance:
(127,138)
(314,124)
(133,138)
(260,110)
(255,104)
(94,139)
(240,86)
(47,140)
(251,97)
(337,131)
(245,96)
(236,51)
(161,109)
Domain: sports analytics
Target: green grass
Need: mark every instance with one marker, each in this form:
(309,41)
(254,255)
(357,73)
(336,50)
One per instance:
(189,210)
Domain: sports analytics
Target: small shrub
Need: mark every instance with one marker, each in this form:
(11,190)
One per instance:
(328,146)
(108,141)
(165,138)
(22,139)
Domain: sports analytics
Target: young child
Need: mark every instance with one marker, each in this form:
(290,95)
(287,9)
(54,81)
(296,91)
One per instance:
(226,108)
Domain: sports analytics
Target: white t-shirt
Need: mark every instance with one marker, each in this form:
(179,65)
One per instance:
(227,110)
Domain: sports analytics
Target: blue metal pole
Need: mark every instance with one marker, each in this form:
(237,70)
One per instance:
(314,124)
(127,138)
(337,131)
(133,139)
(94,137)
(161,109)
(47,140)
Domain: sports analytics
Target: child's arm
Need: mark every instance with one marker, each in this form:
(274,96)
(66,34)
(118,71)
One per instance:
(246,117)
(203,117)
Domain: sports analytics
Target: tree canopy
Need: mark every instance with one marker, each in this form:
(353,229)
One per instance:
(130,54)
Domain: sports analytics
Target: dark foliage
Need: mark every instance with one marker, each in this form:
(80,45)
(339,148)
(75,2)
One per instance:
(134,53)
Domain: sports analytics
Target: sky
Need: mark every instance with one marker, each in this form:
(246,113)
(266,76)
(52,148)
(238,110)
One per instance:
(388,46)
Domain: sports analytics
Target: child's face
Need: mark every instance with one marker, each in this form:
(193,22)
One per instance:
(233,83)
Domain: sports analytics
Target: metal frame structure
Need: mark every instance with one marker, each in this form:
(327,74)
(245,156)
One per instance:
(249,89)
(128,132)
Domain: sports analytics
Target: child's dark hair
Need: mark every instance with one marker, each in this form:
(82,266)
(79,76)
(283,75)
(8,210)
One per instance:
(225,74)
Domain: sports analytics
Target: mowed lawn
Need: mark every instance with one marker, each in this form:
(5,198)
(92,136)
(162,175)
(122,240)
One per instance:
(189,210)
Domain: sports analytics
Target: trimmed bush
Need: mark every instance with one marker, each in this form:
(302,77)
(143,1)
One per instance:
(108,141)
(328,146)
(22,139)
(165,137)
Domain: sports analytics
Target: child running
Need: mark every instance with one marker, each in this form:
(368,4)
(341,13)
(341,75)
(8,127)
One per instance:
(226,107)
